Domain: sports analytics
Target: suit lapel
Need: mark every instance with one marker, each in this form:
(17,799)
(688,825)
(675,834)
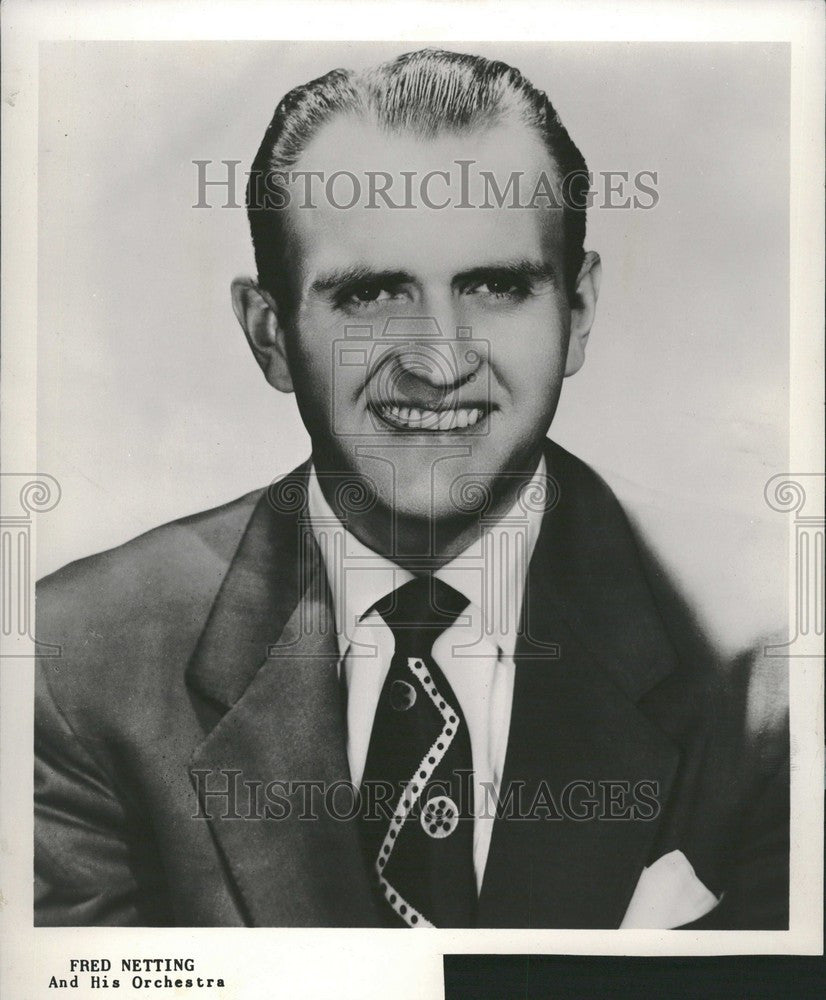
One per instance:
(268,656)
(592,645)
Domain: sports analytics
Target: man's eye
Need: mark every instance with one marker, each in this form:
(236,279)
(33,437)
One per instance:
(367,294)
(501,288)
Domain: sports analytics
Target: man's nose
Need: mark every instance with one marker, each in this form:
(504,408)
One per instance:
(432,356)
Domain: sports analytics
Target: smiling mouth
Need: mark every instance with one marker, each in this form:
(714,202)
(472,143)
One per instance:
(411,418)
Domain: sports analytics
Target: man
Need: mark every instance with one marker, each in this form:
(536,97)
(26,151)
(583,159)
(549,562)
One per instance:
(430,678)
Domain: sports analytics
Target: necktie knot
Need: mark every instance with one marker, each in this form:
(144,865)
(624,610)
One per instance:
(420,610)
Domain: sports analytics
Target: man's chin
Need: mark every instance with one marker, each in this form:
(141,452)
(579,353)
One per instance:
(445,502)
(433,485)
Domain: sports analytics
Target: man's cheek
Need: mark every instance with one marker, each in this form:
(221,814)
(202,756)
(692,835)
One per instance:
(313,370)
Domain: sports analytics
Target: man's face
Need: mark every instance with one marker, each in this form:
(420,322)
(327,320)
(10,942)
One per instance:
(407,403)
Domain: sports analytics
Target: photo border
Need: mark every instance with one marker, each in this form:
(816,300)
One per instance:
(353,963)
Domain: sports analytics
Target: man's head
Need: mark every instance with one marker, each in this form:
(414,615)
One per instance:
(508,273)
(424,93)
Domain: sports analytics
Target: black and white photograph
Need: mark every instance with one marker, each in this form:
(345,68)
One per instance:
(416,536)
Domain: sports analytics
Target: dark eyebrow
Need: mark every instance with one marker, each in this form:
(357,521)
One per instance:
(523,269)
(356,275)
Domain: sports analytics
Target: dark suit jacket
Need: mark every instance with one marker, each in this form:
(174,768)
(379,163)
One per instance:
(187,650)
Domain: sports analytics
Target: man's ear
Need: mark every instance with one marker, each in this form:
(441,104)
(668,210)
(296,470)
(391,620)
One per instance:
(257,313)
(583,310)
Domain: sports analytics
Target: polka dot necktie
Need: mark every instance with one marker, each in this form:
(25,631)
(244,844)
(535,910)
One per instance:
(417,789)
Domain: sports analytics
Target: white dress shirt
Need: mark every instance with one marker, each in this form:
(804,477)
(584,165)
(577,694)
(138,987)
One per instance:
(475,653)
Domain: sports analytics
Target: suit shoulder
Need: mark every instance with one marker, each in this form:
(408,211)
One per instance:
(757,682)
(164,552)
(740,707)
(586,487)
(169,574)
(565,463)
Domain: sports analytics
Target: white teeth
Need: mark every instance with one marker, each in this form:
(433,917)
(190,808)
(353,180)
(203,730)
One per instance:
(432,420)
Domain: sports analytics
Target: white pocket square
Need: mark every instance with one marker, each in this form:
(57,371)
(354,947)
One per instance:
(668,894)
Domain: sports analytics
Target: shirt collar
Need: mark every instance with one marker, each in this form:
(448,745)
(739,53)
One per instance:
(491,572)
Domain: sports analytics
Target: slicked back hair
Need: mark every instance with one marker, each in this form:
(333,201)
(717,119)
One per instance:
(426,93)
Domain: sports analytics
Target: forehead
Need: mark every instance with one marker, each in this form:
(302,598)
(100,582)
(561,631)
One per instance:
(425,239)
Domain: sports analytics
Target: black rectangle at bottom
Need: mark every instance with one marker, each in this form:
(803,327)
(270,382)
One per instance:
(546,977)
